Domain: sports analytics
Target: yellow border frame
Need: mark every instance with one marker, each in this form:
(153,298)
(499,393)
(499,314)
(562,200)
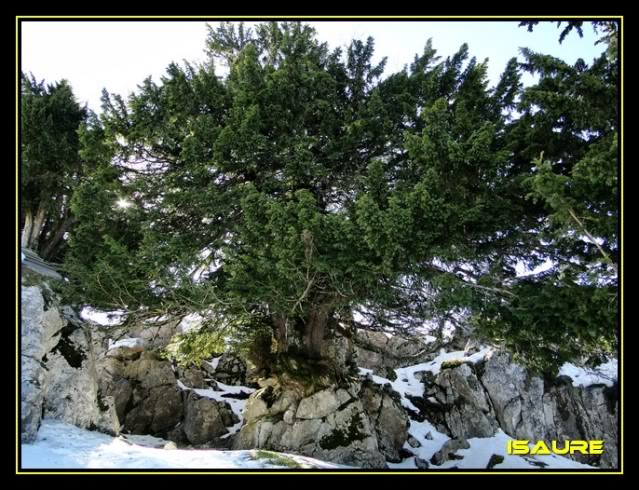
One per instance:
(313,17)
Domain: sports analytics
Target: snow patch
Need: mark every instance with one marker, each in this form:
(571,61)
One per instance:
(102,318)
(131,343)
(604,374)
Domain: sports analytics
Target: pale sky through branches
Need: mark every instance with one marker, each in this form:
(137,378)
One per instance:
(118,55)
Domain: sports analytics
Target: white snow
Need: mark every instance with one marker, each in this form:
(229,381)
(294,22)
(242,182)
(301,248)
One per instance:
(132,343)
(604,374)
(102,318)
(61,445)
(189,322)
(214,362)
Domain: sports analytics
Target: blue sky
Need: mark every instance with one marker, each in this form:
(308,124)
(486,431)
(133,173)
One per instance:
(119,55)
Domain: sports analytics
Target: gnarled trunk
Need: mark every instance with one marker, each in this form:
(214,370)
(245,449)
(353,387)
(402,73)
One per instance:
(52,245)
(280,332)
(33,227)
(315,328)
(28,226)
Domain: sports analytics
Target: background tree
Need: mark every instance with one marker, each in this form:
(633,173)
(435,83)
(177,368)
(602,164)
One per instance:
(51,168)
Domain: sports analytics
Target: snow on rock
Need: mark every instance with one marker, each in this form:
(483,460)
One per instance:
(214,362)
(60,445)
(102,318)
(407,383)
(430,440)
(482,449)
(130,343)
(604,374)
(225,393)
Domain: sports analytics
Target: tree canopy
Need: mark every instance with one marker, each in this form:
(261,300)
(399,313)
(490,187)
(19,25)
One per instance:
(305,186)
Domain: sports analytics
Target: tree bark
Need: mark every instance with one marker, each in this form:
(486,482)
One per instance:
(26,230)
(52,244)
(315,328)
(38,223)
(280,331)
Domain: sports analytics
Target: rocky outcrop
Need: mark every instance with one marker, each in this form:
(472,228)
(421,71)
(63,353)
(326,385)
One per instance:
(449,451)
(58,372)
(461,405)
(383,354)
(205,420)
(388,418)
(466,400)
(149,400)
(349,424)
(229,369)
(585,413)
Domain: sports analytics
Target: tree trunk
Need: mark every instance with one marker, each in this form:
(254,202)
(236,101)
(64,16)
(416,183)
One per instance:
(315,328)
(280,331)
(52,244)
(38,223)
(28,226)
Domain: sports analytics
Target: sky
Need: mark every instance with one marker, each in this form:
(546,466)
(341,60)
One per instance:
(118,55)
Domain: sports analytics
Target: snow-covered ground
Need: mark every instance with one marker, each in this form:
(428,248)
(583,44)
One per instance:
(431,440)
(61,445)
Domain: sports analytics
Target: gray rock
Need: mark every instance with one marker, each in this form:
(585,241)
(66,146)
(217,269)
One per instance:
(374,350)
(468,410)
(318,405)
(230,370)
(330,424)
(192,378)
(494,460)
(203,421)
(449,450)
(517,397)
(421,464)
(413,442)
(388,418)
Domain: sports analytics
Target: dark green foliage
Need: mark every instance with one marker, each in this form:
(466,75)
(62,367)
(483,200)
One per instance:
(303,186)
(260,349)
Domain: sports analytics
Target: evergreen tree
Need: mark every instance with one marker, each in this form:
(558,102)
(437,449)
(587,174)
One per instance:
(50,119)
(303,187)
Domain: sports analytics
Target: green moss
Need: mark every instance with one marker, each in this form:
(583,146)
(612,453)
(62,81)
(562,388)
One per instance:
(276,459)
(453,363)
(391,374)
(341,438)
(296,370)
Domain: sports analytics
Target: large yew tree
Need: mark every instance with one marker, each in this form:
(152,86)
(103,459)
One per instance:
(303,186)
